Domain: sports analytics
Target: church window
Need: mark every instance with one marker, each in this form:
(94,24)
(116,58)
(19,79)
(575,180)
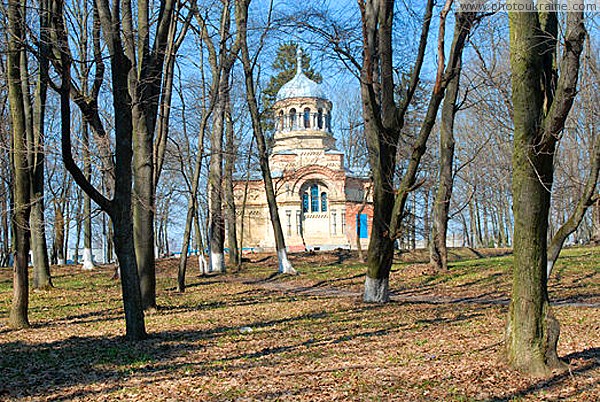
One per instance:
(307,118)
(298,223)
(281,120)
(314,198)
(305,202)
(289,222)
(343,221)
(292,118)
(320,119)
(328,121)
(333,222)
(323,202)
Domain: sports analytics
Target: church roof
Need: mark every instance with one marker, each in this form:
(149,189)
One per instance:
(300,86)
(359,172)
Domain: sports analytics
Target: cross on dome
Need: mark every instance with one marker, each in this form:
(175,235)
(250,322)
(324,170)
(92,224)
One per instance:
(298,61)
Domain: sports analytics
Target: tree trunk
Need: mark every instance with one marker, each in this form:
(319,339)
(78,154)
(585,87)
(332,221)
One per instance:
(596,222)
(143,207)
(478,231)
(34,123)
(230,213)
(361,255)
(215,179)
(88,258)
(441,204)
(78,224)
(381,246)
(128,273)
(427,219)
(59,234)
(18,316)
(202,263)
(185,245)
(193,206)
(41,269)
(285,266)
(541,105)
(473,224)
(4,228)
(245,198)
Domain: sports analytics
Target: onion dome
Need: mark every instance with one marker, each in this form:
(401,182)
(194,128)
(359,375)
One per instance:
(300,86)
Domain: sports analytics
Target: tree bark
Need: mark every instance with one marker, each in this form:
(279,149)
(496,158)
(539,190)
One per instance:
(285,266)
(441,204)
(541,105)
(34,108)
(143,207)
(88,258)
(596,222)
(18,316)
(41,272)
(230,212)
(145,88)
(215,179)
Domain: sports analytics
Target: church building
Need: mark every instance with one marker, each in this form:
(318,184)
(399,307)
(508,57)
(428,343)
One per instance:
(322,204)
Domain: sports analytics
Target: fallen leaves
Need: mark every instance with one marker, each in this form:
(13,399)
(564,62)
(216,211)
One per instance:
(311,338)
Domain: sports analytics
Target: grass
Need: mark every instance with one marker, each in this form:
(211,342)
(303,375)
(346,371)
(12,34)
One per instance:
(312,338)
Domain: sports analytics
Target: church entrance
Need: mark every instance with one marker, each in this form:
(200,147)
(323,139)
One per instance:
(362,228)
(315,214)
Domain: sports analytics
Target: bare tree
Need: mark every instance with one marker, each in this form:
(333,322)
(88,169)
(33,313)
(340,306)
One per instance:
(18,317)
(36,144)
(222,57)
(120,207)
(263,154)
(384,120)
(590,109)
(441,204)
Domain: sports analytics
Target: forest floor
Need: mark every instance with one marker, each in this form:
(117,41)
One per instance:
(252,335)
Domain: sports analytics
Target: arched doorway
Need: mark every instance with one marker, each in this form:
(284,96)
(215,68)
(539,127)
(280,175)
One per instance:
(315,197)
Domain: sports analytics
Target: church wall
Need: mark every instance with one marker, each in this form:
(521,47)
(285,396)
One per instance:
(320,230)
(353,209)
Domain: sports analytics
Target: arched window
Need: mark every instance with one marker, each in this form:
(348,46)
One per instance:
(328,121)
(306,118)
(320,119)
(305,202)
(292,118)
(323,202)
(314,198)
(281,120)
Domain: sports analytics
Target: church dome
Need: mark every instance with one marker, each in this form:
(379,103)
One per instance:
(300,86)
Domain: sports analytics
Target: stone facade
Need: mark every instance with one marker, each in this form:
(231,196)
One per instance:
(322,204)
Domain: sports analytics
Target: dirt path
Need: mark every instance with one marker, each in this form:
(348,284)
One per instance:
(330,291)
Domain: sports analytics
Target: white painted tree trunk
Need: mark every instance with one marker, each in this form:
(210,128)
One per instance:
(88,259)
(61,261)
(285,266)
(202,264)
(550,266)
(217,262)
(376,290)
